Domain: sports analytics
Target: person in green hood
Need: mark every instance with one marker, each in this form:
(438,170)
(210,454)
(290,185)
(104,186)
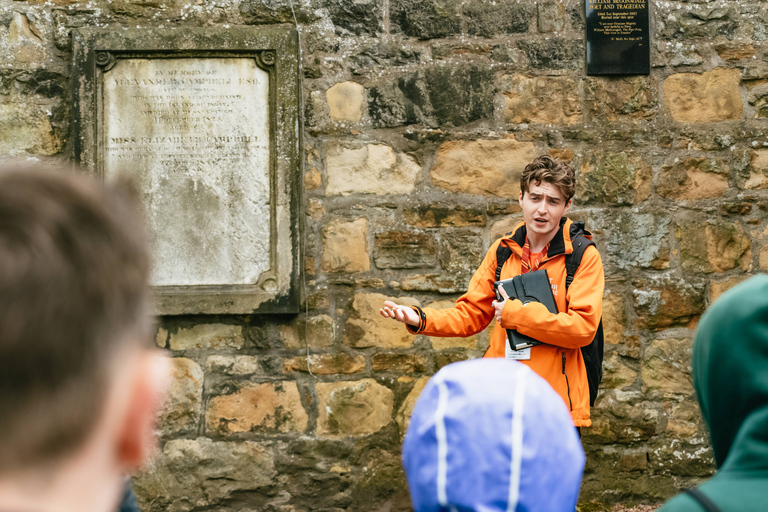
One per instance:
(730,374)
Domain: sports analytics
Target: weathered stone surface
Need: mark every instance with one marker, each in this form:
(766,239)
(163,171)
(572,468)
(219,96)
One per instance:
(735,51)
(440,283)
(616,419)
(487,18)
(21,44)
(315,209)
(667,367)
(383,481)
(717,288)
(614,317)
(446,358)
(259,12)
(403,416)
(483,167)
(357,16)
(232,365)
(551,16)
(611,99)
(617,373)
(541,99)
(553,53)
(461,252)
(693,179)
(764,258)
(312,179)
(367,328)
(438,215)
(709,97)
(345,246)
(614,179)
(369,169)
(161,337)
(321,331)
(192,473)
(639,239)
(268,408)
(207,336)
(183,406)
(679,457)
(27,129)
(346,101)
(353,408)
(440,343)
(504,226)
(708,22)
(719,247)
(758,171)
(684,419)
(680,55)
(427,19)
(383,54)
(326,364)
(398,363)
(403,249)
(666,302)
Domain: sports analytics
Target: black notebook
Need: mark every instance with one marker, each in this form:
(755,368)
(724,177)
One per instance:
(530,287)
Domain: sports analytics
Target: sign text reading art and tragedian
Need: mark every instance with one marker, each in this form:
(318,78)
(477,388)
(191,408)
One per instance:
(618,41)
(193,133)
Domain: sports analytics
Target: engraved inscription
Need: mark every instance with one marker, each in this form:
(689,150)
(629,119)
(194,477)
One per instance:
(194,135)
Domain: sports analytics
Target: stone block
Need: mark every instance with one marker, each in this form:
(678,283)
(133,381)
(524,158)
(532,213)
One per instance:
(403,249)
(758,97)
(735,51)
(666,301)
(436,215)
(617,179)
(183,406)
(763,258)
(612,99)
(616,419)
(369,169)
(460,93)
(398,363)
(693,179)
(439,283)
(321,331)
(719,247)
(617,373)
(461,253)
(367,328)
(427,19)
(161,337)
(446,358)
(312,179)
(758,171)
(346,101)
(707,22)
(555,53)
(633,462)
(551,16)
(541,99)
(403,416)
(708,97)
(684,419)
(682,55)
(359,17)
(717,288)
(482,167)
(506,225)
(353,408)
(679,457)
(614,317)
(315,209)
(639,239)
(345,246)
(326,364)
(233,365)
(24,45)
(28,129)
(487,18)
(270,407)
(667,367)
(207,336)
(192,473)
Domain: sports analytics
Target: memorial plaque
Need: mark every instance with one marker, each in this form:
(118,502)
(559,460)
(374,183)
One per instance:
(196,131)
(618,41)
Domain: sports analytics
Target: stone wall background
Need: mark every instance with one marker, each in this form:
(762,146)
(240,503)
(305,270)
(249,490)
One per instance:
(420,115)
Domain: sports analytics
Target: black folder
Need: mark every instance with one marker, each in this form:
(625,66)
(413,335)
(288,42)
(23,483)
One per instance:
(530,287)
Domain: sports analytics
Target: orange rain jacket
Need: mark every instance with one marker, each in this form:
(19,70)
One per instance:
(559,361)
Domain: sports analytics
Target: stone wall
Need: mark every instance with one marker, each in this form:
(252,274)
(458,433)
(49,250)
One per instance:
(419,117)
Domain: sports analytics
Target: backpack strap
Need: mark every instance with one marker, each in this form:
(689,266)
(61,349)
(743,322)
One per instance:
(573,260)
(702,499)
(502,255)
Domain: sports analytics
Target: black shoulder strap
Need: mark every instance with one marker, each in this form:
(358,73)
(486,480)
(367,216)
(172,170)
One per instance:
(573,260)
(702,499)
(502,255)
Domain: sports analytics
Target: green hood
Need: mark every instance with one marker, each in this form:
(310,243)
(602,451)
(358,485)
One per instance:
(730,373)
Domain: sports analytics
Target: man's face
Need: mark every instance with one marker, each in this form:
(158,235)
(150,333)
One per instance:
(543,206)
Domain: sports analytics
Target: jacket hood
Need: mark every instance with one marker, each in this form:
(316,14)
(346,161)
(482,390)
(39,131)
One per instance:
(730,373)
(490,435)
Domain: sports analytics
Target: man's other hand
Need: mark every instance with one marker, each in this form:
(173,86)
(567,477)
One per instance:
(499,305)
(404,314)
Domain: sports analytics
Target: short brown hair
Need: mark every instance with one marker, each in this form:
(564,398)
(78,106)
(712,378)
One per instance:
(74,274)
(547,169)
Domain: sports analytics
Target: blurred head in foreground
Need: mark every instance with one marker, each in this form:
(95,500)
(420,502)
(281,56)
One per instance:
(730,374)
(491,435)
(80,385)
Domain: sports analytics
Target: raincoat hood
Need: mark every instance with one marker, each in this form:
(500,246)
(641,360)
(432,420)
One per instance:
(490,435)
(730,373)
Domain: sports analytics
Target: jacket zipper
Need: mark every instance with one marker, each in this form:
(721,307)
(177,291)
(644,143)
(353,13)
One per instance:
(567,385)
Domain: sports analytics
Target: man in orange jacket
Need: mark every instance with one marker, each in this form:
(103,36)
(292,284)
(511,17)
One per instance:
(542,241)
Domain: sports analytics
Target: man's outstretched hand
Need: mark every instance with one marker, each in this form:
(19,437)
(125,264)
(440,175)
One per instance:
(404,314)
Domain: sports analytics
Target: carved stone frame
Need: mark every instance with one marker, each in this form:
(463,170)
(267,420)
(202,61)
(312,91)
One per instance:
(275,50)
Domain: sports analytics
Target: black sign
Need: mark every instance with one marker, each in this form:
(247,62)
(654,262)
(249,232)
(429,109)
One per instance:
(617,37)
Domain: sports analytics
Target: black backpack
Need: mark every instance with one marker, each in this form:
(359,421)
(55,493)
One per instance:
(592,353)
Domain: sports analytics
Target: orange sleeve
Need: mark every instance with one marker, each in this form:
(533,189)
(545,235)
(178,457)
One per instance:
(473,310)
(573,328)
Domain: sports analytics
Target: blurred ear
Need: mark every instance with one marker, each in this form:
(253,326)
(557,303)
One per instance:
(520,198)
(136,441)
(568,206)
